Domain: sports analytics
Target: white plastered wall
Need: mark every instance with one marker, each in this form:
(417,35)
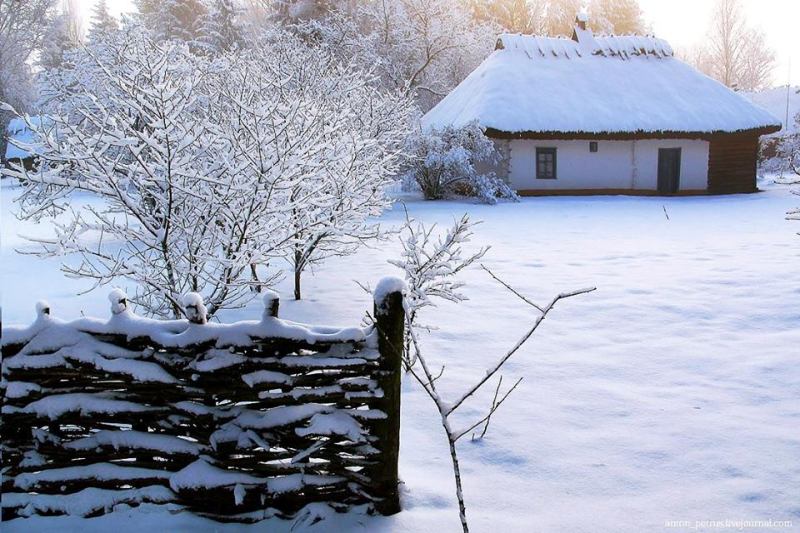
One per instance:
(615,165)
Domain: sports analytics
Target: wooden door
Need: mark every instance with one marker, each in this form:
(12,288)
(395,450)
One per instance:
(669,170)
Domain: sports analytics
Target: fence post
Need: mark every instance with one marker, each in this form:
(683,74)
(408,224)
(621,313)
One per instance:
(390,324)
(272,302)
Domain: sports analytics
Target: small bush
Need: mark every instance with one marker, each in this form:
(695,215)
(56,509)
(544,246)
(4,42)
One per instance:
(443,165)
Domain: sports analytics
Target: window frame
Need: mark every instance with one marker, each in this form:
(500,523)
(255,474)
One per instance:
(541,150)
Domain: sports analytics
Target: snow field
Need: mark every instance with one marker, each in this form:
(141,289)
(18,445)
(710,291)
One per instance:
(670,393)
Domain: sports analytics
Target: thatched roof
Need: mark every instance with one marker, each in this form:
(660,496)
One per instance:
(594,85)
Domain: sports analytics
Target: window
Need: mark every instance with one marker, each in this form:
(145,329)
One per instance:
(546,163)
(593,146)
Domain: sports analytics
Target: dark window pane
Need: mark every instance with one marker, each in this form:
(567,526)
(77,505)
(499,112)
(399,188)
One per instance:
(546,163)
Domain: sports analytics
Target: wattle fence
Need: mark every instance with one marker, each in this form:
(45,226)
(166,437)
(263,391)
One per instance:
(237,422)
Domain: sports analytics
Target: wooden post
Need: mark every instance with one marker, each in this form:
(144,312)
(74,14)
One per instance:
(390,323)
(272,302)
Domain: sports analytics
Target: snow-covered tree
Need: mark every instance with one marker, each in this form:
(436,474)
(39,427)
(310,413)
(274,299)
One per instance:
(736,53)
(443,163)
(432,265)
(63,34)
(294,11)
(361,155)
(16,85)
(515,16)
(788,161)
(56,43)
(172,19)
(447,406)
(421,47)
(22,28)
(221,27)
(788,153)
(619,17)
(429,47)
(559,17)
(194,160)
(757,62)
(101,20)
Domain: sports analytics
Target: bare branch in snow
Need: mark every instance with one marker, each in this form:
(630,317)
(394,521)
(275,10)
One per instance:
(447,253)
(510,288)
(527,335)
(495,405)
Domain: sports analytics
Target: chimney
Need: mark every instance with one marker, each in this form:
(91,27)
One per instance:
(581,19)
(583,35)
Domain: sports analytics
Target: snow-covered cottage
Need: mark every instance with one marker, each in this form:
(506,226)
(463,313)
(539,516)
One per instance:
(610,114)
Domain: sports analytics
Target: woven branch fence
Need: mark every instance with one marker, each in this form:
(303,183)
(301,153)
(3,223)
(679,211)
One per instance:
(235,422)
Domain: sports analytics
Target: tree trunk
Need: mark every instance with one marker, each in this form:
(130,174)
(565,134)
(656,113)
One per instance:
(254,277)
(462,509)
(297,284)
(298,270)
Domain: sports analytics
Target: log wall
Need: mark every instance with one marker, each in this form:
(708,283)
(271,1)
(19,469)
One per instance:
(732,161)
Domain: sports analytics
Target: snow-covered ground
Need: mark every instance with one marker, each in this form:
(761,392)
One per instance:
(670,393)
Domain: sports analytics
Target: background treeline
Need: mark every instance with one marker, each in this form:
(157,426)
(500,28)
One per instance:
(421,46)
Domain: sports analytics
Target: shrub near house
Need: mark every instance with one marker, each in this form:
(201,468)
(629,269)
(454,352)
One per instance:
(449,162)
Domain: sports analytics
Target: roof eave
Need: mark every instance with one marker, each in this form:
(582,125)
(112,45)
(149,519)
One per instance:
(627,135)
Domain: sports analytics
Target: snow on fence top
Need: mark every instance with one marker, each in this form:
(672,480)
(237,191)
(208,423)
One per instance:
(232,421)
(594,85)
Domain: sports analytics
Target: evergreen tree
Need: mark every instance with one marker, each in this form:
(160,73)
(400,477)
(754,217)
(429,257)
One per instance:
(102,21)
(62,34)
(220,27)
(172,19)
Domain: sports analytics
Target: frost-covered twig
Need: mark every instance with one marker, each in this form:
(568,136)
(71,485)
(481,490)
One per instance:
(427,380)
(510,288)
(495,405)
(527,335)
(431,265)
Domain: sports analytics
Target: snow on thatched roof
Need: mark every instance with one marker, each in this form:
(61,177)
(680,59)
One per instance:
(623,47)
(588,84)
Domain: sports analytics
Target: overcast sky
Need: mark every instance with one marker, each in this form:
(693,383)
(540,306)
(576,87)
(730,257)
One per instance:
(684,23)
